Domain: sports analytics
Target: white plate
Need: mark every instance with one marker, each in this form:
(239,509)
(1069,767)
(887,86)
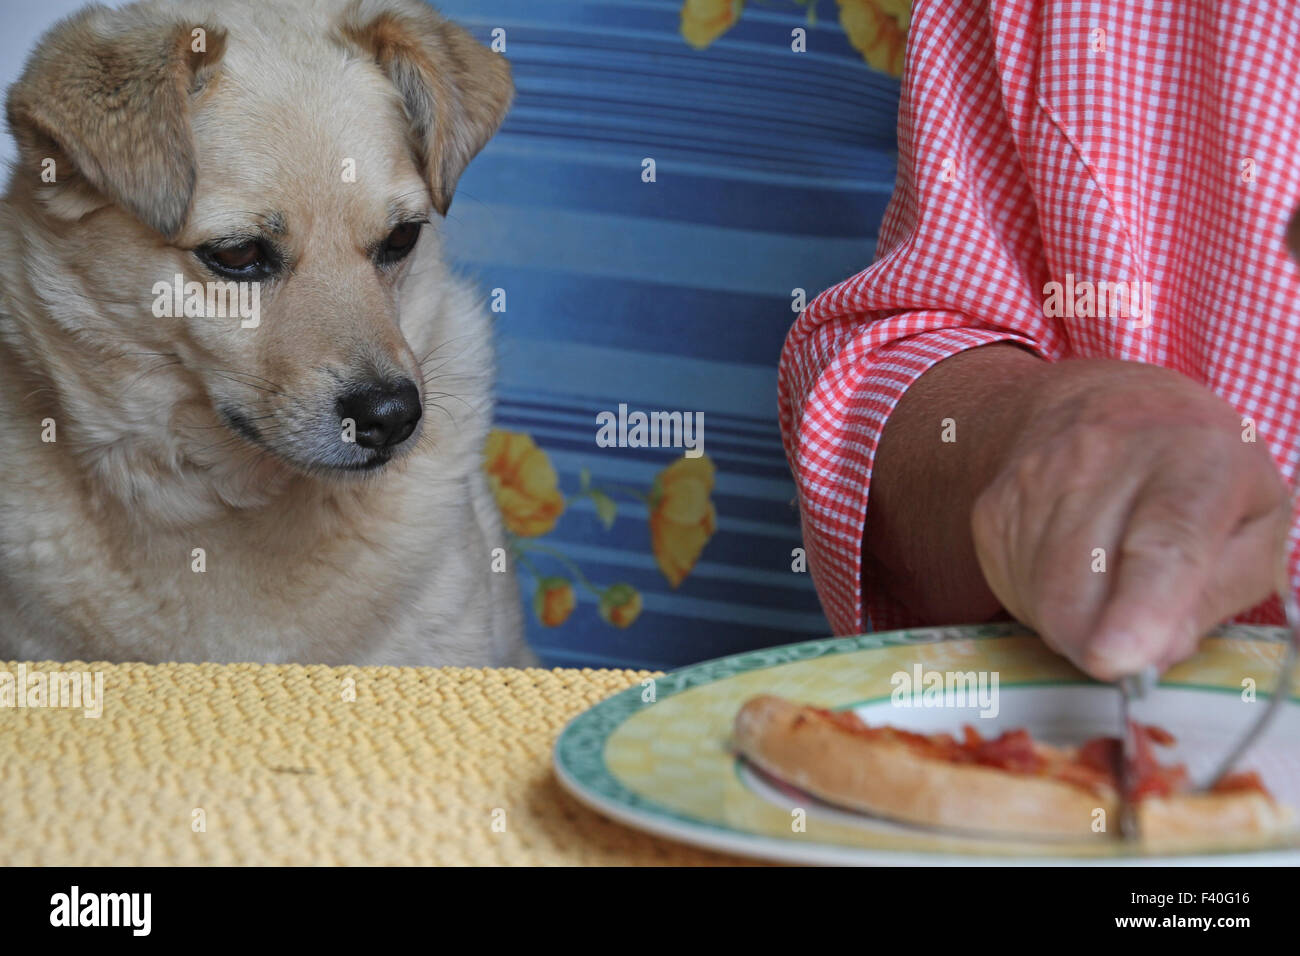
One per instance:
(657,756)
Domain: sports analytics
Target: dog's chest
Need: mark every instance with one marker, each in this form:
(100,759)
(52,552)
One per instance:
(308,581)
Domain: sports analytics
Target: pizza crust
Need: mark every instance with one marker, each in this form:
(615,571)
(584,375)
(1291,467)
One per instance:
(1209,820)
(888,779)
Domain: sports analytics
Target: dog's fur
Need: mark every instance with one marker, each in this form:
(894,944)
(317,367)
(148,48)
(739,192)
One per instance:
(179,434)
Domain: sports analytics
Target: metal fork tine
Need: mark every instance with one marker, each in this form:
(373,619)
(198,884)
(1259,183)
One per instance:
(1281,690)
(1131,687)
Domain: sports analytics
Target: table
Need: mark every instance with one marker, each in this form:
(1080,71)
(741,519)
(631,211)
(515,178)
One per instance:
(243,764)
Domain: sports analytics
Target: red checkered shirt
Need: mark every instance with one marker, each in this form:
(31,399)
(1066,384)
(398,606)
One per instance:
(1070,141)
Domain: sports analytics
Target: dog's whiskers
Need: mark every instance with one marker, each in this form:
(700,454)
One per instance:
(230,374)
(445,342)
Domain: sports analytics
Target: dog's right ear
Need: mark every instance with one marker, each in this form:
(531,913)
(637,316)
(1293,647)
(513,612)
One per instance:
(106,98)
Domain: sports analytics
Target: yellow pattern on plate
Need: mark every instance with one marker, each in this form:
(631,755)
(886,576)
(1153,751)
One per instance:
(677,753)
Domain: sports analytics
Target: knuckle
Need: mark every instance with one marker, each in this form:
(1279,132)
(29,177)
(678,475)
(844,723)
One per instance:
(1172,535)
(1092,441)
(1081,460)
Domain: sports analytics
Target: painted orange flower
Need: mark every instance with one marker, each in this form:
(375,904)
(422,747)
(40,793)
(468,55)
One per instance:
(620,604)
(703,21)
(878,30)
(524,483)
(682,517)
(553,601)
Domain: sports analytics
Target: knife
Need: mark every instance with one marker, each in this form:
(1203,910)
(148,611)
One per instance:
(1134,687)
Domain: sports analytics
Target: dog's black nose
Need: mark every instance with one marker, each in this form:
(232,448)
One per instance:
(385,415)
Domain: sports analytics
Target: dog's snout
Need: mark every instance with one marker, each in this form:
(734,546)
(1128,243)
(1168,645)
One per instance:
(385,414)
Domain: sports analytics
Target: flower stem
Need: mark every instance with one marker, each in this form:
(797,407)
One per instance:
(626,489)
(523,560)
(551,552)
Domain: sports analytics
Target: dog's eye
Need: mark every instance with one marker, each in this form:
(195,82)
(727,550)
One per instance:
(239,257)
(399,243)
(245,260)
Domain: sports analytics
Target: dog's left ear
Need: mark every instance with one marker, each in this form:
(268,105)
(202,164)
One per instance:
(456,91)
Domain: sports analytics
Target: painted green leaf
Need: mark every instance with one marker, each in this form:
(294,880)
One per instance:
(606,508)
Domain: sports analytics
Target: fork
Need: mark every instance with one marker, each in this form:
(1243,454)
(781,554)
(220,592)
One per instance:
(1281,690)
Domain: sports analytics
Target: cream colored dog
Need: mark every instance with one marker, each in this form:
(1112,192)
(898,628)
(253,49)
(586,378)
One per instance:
(242,400)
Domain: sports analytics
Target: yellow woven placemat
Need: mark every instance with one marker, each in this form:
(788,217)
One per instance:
(252,764)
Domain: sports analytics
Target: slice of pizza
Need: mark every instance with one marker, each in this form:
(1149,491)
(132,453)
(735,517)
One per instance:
(1010,784)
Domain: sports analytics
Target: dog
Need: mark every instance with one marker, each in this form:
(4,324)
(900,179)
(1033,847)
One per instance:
(295,478)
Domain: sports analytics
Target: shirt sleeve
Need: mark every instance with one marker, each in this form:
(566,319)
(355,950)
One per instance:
(959,264)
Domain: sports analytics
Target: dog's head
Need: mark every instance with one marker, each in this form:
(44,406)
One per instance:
(243,194)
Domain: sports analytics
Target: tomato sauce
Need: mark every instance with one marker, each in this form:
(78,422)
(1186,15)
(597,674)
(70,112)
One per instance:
(1094,765)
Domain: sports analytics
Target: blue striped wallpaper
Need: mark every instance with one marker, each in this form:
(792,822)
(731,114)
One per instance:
(772,172)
